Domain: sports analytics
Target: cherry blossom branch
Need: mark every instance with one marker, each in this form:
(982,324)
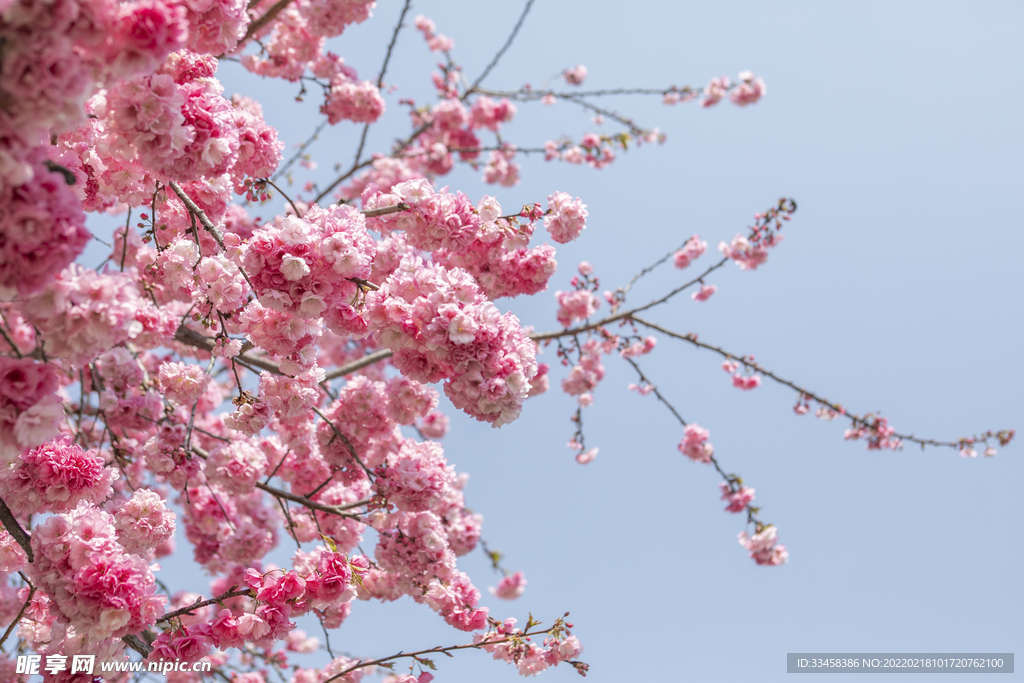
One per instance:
(200,214)
(555,334)
(189,337)
(14,347)
(359,364)
(730,479)
(338,510)
(15,529)
(433,650)
(835,407)
(305,145)
(137,644)
(262,21)
(501,52)
(231,593)
(380,78)
(17,619)
(270,182)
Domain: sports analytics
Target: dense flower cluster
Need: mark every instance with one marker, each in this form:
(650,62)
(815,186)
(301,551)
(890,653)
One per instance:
(763,546)
(440,326)
(695,444)
(30,410)
(55,477)
(96,586)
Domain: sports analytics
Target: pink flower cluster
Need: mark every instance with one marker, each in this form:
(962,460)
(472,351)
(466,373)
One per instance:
(749,90)
(351,100)
(303,265)
(30,411)
(472,238)
(878,433)
(738,498)
(566,217)
(416,477)
(215,26)
(585,375)
(510,645)
(739,380)
(748,254)
(695,444)
(435,41)
(42,230)
(640,347)
(236,466)
(55,477)
(716,90)
(441,326)
(143,522)
(95,585)
(575,75)
(577,305)
(704,293)
(690,252)
(510,586)
(84,313)
(763,546)
(457,602)
(182,383)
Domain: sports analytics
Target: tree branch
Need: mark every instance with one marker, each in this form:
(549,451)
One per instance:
(855,419)
(15,530)
(199,604)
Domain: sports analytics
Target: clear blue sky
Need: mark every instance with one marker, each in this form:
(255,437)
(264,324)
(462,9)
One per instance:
(897,127)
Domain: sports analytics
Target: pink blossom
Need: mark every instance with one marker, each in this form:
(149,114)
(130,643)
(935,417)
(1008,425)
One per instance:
(737,499)
(55,477)
(566,217)
(509,587)
(575,75)
(695,444)
(704,293)
(763,547)
(143,522)
(749,90)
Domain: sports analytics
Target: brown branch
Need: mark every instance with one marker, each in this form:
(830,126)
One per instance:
(190,337)
(541,336)
(15,530)
(137,644)
(359,364)
(400,206)
(198,604)
(262,21)
(433,650)
(504,48)
(207,223)
(311,504)
(855,419)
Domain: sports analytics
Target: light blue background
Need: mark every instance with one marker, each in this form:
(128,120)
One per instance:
(897,127)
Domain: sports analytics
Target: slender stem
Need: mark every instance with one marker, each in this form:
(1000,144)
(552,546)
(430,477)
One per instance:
(501,52)
(199,604)
(856,419)
(311,504)
(298,213)
(17,619)
(433,650)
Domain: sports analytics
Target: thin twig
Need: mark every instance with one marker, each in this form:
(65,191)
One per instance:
(199,604)
(506,46)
